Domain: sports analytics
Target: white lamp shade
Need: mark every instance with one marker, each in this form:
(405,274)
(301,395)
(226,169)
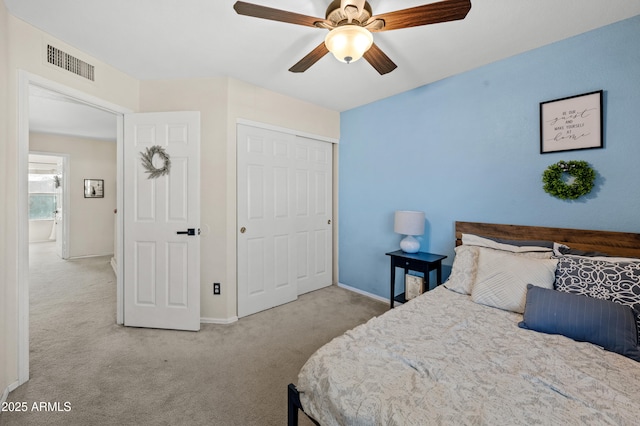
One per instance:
(409,222)
(348,42)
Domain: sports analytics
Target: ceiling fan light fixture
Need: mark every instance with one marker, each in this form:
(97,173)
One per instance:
(348,42)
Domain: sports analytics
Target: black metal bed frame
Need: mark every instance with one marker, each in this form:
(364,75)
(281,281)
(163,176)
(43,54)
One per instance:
(293,405)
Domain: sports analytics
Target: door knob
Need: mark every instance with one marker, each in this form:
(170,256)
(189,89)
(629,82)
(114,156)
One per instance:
(243,230)
(190,231)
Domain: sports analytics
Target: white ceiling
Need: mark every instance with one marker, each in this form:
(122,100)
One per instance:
(177,39)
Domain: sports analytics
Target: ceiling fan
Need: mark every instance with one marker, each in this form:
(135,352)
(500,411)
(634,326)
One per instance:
(350,23)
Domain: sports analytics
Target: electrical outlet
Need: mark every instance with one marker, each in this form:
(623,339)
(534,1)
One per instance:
(216,288)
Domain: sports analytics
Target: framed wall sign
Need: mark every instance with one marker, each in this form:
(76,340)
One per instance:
(571,123)
(94,188)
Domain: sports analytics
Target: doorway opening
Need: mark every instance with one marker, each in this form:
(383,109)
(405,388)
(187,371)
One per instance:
(26,83)
(49,200)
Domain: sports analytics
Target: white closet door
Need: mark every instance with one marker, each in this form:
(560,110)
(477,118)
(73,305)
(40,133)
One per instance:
(284,214)
(313,208)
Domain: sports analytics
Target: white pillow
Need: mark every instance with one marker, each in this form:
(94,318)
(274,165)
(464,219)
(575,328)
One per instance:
(465,266)
(475,240)
(502,278)
(463,270)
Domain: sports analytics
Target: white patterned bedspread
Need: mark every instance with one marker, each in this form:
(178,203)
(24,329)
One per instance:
(443,359)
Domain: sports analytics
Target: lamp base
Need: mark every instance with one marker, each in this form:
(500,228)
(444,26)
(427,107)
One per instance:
(409,244)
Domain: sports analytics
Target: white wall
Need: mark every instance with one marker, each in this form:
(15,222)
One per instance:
(26,51)
(221,101)
(91,224)
(7,371)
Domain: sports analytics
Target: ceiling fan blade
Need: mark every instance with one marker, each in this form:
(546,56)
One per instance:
(379,60)
(312,57)
(257,11)
(443,11)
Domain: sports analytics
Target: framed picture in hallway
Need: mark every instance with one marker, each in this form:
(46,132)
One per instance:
(94,188)
(571,123)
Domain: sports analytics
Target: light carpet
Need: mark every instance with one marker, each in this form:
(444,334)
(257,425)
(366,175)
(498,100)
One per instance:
(233,374)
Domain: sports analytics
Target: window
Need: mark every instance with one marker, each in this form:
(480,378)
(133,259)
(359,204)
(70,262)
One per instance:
(42,196)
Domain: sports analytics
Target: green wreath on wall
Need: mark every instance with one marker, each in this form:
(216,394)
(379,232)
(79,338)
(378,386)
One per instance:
(581,184)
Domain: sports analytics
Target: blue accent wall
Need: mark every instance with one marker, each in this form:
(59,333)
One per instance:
(468,148)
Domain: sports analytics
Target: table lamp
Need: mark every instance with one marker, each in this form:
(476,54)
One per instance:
(409,223)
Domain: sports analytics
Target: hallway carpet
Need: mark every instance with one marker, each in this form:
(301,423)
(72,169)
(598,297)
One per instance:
(89,371)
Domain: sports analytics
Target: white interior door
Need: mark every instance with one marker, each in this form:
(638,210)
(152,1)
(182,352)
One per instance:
(284,217)
(61,242)
(58,222)
(313,210)
(161,258)
(266,274)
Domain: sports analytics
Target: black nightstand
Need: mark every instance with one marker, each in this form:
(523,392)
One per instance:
(419,262)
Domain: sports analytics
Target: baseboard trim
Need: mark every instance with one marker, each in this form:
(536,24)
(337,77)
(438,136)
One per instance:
(114,265)
(222,321)
(87,256)
(13,386)
(364,293)
(231,320)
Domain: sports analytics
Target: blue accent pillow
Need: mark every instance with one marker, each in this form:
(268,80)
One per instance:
(581,318)
(615,281)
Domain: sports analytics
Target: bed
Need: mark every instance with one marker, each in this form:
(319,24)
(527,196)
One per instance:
(561,351)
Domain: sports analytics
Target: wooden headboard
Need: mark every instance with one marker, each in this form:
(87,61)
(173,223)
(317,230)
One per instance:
(609,242)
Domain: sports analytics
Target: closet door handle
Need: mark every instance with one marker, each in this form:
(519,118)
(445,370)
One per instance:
(190,231)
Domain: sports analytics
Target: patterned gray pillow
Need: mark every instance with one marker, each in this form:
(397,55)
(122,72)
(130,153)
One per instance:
(615,281)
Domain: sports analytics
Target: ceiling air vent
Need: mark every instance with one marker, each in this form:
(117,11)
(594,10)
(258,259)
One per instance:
(70,63)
